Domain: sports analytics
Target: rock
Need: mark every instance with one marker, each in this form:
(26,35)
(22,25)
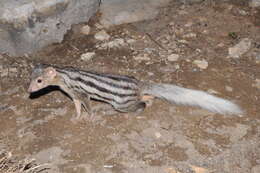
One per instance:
(255,169)
(202,64)
(85,30)
(258,58)
(142,58)
(254,3)
(211,91)
(198,169)
(116,12)
(157,135)
(87,56)
(173,57)
(3,71)
(116,43)
(131,41)
(189,24)
(190,35)
(183,41)
(102,35)
(257,83)
(239,49)
(29,25)
(228,88)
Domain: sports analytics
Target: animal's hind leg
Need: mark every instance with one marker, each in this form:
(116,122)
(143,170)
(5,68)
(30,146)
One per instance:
(135,108)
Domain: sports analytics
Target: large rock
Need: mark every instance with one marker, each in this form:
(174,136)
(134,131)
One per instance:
(116,12)
(28,25)
(254,3)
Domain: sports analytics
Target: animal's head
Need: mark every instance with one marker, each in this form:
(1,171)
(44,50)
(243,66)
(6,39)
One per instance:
(42,76)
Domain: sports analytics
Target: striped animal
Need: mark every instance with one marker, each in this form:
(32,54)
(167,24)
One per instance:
(124,93)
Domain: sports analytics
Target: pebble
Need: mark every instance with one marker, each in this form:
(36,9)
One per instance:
(257,83)
(255,169)
(189,24)
(85,30)
(3,71)
(158,134)
(173,57)
(254,3)
(229,88)
(183,41)
(239,49)
(87,56)
(116,43)
(102,35)
(130,41)
(202,64)
(211,91)
(142,58)
(190,35)
(258,58)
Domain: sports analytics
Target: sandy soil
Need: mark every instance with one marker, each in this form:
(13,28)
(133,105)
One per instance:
(164,138)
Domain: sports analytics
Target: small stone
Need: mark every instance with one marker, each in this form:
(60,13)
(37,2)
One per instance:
(102,35)
(142,58)
(183,41)
(211,91)
(202,64)
(254,3)
(157,134)
(189,24)
(255,169)
(173,57)
(13,70)
(87,56)
(198,169)
(3,71)
(113,44)
(190,35)
(258,58)
(220,45)
(243,12)
(239,49)
(171,170)
(176,66)
(257,83)
(130,41)
(116,43)
(99,26)
(229,88)
(85,30)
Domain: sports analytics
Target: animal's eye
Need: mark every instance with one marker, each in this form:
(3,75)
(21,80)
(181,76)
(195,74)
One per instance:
(39,81)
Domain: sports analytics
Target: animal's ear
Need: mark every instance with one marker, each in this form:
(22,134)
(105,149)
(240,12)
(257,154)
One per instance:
(50,72)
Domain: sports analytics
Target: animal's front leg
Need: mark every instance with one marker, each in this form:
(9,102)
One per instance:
(77,104)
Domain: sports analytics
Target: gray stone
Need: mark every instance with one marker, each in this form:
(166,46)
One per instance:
(254,3)
(28,25)
(85,30)
(241,48)
(87,56)
(116,12)
(202,64)
(173,57)
(102,35)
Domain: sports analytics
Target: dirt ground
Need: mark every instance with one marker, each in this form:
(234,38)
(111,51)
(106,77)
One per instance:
(164,138)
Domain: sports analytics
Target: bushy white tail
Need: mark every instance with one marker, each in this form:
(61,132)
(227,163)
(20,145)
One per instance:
(190,97)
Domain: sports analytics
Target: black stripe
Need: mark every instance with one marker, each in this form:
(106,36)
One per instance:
(119,78)
(102,89)
(116,85)
(96,85)
(107,99)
